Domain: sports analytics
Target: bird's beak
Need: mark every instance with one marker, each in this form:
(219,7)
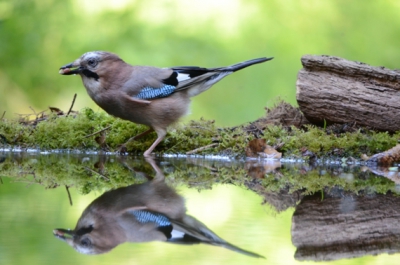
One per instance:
(70,69)
(65,235)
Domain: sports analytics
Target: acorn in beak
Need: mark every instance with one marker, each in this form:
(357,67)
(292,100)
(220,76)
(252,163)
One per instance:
(70,69)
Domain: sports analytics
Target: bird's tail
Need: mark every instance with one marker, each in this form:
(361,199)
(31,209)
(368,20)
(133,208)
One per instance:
(245,64)
(196,232)
(202,79)
(236,249)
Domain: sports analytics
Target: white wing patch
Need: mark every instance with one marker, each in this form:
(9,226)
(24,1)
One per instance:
(177,234)
(181,77)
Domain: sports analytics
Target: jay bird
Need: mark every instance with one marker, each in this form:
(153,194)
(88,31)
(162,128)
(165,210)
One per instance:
(156,97)
(151,211)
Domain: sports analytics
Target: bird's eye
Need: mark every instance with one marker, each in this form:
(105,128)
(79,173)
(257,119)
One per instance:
(86,242)
(92,62)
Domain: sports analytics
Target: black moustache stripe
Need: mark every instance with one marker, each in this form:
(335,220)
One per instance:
(90,74)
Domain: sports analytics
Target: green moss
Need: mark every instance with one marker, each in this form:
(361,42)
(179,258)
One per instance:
(100,173)
(75,132)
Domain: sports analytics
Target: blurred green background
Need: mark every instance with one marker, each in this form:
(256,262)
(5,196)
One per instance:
(39,36)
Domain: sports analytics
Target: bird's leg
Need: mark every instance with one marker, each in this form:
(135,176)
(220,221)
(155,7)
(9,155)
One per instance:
(161,134)
(122,148)
(159,174)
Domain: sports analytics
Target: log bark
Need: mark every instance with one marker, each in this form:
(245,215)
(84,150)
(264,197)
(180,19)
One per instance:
(340,227)
(336,90)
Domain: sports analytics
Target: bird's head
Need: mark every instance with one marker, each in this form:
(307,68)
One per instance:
(91,65)
(93,234)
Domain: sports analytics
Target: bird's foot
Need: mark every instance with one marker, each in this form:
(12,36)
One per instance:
(147,154)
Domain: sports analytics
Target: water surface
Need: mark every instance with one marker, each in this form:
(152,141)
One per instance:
(289,213)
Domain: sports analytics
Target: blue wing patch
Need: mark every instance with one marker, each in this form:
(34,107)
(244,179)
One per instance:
(150,217)
(162,222)
(152,93)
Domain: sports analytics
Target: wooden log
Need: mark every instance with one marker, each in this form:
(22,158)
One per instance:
(336,90)
(340,227)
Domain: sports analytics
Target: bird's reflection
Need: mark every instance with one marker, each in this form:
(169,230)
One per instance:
(151,211)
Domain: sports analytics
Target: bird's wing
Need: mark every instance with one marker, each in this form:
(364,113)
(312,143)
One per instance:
(130,210)
(174,231)
(190,76)
(137,100)
(160,221)
(193,231)
(186,231)
(183,78)
(147,83)
(151,83)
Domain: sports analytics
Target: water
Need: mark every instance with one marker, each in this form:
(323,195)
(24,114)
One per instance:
(289,213)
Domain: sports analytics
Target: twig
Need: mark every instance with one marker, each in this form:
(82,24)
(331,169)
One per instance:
(36,120)
(97,173)
(41,113)
(72,104)
(2,116)
(34,112)
(69,195)
(24,115)
(201,148)
(102,130)
(172,147)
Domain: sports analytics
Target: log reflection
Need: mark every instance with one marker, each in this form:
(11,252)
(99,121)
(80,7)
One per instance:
(344,226)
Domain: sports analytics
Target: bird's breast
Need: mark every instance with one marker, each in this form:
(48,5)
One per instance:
(160,112)
(93,87)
